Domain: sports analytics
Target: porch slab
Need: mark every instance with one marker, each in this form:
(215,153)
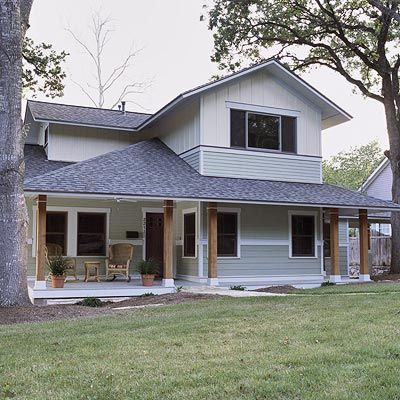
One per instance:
(106,289)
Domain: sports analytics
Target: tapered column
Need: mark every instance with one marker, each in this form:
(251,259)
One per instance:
(40,282)
(212,243)
(334,231)
(168,279)
(363,225)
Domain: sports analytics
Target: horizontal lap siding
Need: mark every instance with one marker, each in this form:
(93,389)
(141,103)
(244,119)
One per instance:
(265,166)
(193,159)
(124,216)
(266,260)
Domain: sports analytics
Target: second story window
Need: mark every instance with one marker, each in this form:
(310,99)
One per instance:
(263,131)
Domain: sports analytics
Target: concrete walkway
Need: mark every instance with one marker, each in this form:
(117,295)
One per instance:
(224,291)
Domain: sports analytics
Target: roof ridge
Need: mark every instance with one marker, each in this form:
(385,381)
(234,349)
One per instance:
(89,107)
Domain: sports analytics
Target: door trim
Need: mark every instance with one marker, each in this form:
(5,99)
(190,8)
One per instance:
(146,210)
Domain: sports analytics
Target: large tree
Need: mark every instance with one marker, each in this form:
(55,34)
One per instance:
(14,17)
(351,168)
(359,39)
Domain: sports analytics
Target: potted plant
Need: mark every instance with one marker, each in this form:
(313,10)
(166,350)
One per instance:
(57,267)
(148,269)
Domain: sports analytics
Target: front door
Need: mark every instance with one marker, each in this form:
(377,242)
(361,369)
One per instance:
(155,238)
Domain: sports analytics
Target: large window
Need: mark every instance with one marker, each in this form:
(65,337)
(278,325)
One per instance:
(91,234)
(56,232)
(227,234)
(303,235)
(263,131)
(189,235)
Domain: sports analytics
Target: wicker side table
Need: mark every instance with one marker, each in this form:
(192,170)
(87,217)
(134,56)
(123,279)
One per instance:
(92,270)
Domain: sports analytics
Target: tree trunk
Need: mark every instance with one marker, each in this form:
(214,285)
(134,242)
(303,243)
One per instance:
(13,216)
(393,127)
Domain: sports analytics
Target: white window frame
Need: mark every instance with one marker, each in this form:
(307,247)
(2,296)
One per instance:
(72,227)
(196,233)
(306,213)
(236,211)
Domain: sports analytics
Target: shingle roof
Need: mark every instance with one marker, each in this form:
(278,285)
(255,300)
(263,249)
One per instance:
(151,169)
(88,116)
(36,162)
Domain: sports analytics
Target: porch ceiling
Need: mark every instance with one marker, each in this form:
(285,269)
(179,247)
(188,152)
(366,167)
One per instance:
(150,170)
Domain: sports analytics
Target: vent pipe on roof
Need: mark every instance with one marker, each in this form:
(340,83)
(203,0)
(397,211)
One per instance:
(123,107)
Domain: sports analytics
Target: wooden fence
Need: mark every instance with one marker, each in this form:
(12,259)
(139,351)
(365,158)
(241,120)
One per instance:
(380,250)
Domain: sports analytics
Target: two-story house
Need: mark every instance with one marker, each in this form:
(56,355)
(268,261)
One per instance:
(222,185)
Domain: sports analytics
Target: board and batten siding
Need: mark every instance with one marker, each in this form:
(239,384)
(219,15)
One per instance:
(78,143)
(381,186)
(258,89)
(180,130)
(261,165)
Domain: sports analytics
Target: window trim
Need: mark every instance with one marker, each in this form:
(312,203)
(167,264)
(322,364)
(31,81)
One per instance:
(196,242)
(72,227)
(303,213)
(236,211)
(263,110)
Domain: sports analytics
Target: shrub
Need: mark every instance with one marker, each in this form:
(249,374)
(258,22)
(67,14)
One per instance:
(148,267)
(90,302)
(238,287)
(148,294)
(327,283)
(58,265)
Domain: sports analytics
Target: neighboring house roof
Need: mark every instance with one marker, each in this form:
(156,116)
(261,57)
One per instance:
(374,175)
(88,116)
(149,169)
(36,162)
(332,114)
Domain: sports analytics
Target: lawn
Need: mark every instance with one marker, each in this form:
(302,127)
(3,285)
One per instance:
(294,347)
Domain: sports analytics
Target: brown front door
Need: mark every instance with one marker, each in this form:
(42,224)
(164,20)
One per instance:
(154,238)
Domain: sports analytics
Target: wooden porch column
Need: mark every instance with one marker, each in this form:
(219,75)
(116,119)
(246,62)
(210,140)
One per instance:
(168,278)
(40,282)
(212,243)
(363,225)
(334,231)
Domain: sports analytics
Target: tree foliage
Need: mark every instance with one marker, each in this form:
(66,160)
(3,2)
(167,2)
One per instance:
(42,69)
(359,39)
(351,168)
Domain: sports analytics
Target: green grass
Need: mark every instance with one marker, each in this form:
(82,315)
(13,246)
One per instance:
(353,288)
(294,347)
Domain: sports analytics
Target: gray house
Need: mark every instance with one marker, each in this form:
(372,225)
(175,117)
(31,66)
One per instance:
(222,185)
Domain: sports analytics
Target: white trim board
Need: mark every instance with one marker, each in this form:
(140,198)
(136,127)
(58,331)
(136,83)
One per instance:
(185,211)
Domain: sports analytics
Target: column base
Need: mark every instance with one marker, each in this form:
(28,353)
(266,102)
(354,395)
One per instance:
(39,285)
(212,282)
(335,278)
(168,282)
(364,278)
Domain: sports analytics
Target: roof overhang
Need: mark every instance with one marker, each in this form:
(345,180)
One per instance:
(332,114)
(374,175)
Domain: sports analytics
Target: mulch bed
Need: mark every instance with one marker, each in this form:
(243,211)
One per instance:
(277,289)
(32,313)
(386,277)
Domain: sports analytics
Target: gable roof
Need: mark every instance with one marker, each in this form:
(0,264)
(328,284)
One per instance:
(87,116)
(36,162)
(374,175)
(332,114)
(149,169)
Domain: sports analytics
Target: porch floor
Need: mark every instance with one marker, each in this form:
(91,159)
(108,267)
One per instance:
(80,289)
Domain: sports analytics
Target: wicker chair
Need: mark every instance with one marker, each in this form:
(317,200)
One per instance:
(55,250)
(118,261)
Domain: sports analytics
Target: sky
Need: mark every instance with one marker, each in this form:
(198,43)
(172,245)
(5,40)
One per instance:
(174,49)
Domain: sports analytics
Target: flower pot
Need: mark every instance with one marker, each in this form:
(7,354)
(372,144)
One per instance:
(57,281)
(147,279)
